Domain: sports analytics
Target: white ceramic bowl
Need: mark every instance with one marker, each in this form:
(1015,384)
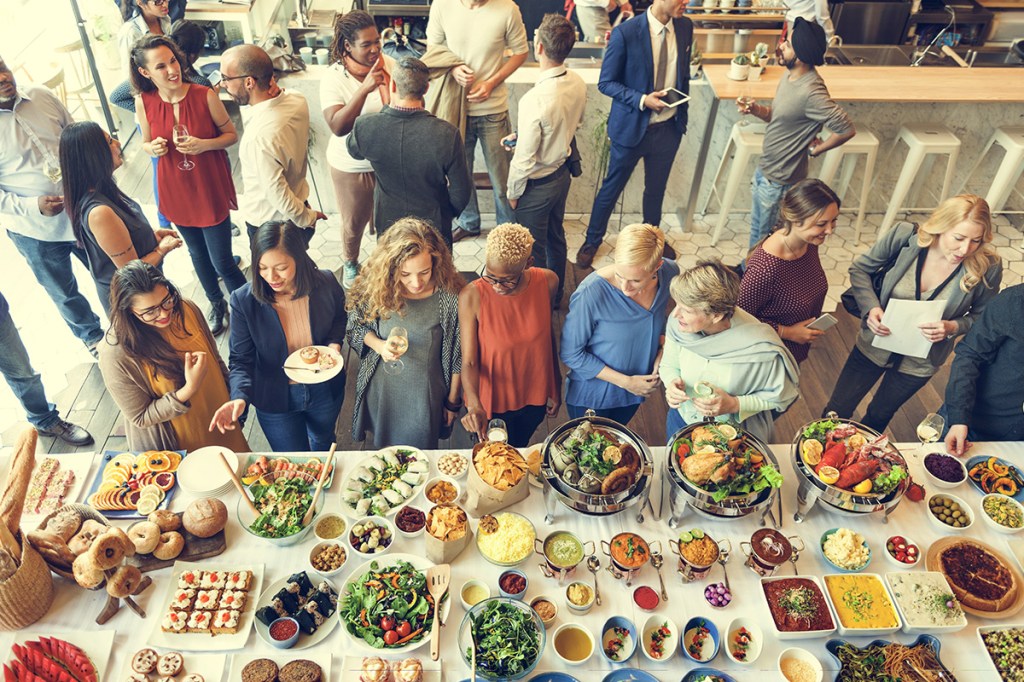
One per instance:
(895,582)
(945,527)
(799,634)
(671,642)
(801,655)
(756,640)
(381,522)
(473,583)
(460,475)
(938,482)
(416,533)
(991,523)
(580,608)
(569,626)
(554,605)
(896,562)
(320,546)
(325,517)
(438,479)
(850,627)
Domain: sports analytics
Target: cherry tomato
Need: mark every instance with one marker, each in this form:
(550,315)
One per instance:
(387,623)
(404,629)
(391,637)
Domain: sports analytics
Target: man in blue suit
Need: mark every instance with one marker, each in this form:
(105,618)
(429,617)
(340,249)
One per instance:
(645,56)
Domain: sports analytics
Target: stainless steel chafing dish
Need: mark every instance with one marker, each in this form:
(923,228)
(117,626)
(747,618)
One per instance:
(683,492)
(558,490)
(813,490)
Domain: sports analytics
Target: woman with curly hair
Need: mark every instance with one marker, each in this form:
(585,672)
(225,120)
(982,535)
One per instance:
(409,282)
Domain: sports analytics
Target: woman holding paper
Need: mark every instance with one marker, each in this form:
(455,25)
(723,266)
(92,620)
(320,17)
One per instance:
(947,258)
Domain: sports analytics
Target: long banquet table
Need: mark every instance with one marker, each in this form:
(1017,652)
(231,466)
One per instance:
(74,609)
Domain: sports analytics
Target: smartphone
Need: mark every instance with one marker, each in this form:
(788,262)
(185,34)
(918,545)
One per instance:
(215,78)
(674,98)
(823,323)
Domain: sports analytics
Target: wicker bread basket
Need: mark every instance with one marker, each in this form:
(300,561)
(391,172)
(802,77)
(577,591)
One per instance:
(26,596)
(83,512)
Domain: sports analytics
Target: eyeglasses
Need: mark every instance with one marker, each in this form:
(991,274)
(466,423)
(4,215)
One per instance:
(506,284)
(158,3)
(224,78)
(150,314)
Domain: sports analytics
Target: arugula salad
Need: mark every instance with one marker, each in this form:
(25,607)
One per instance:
(388,607)
(281,504)
(507,640)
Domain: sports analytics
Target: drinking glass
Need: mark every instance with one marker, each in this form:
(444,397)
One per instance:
(497,431)
(397,343)
(929,430)
(745,99)
(52,170)
(705,387)
(180,134)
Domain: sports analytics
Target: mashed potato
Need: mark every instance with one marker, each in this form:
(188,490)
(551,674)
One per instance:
(846,549)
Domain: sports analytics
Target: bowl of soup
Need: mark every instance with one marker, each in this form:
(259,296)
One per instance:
(573,643)
(628,551)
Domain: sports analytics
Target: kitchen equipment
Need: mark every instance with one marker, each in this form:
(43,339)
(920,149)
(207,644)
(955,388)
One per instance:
(769,549)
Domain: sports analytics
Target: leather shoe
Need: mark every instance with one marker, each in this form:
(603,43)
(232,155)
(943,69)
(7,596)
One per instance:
(216,317)
(585,256)
(458,234)
(669,252)
(72,434)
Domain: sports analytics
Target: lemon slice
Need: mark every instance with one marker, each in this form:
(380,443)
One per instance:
(863,487)
(685,537)
(856,441)
(811,450)
(152,490)
(727,430)
(828,475)
(147,505)
(697,533)
(705,449)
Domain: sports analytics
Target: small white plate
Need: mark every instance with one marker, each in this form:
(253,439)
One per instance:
(239,661)
(95,643)
(351,666)
(305,641)
(210,666)
(302,373)
(202,473)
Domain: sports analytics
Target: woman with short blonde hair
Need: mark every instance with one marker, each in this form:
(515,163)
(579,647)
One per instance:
(613,334)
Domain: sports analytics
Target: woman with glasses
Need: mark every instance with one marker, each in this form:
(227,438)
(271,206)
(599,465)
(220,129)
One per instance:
(508,342)
(161,365)
(186,127)
(615,329)
(141,17)
(410,283)
(109,225)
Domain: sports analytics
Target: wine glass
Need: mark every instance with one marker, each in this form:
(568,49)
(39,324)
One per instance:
(397,343)
(52,170)
(929,430)
(745,99)
(497,432)
(180,135)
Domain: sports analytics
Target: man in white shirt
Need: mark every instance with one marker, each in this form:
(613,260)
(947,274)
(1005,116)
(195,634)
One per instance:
(811,10)
(479,32)
(593,17)
(272,153)
(549,114)
(31,207)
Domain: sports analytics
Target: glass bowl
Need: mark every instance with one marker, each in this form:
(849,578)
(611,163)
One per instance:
(246,518)
(465,639)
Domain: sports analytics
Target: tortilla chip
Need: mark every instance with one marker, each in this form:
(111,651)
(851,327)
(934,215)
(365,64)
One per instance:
(447,522)
(499,465)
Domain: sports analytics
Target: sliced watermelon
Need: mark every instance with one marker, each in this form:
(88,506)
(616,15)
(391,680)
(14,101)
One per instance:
(9,675)
(75,660)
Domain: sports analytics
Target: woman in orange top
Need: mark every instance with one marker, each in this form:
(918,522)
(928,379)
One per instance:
(508,346)
(161,365)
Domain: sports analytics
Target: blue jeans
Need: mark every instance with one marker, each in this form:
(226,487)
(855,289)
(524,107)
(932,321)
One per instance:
(520,424)
(51,264)
(164,222)
(308,425)
(210,250)
(764,210)
(23,380)
(488,130)
(673,422)
(621,415)
(658,150)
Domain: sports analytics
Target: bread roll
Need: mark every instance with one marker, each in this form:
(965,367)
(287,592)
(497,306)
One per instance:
(205,517)
(167,520)
(12,499)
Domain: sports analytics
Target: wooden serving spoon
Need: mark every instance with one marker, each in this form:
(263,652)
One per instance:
(319,486)
(438,579)
(238,484)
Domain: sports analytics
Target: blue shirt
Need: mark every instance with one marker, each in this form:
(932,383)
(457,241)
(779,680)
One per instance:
(605,328)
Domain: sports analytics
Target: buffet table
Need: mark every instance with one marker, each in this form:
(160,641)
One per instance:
(75,609)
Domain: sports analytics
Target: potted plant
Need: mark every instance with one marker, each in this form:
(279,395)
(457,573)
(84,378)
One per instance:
(739,67)
(758,61)
(696,60)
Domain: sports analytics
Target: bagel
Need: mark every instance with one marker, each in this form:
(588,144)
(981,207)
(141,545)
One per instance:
(124,582)
(81,541)
(126,544)
(167,520)
(169,546)
(106,551)
(87,573)
(53,548)
(145,536)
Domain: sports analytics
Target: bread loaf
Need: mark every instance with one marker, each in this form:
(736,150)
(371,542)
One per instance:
(12,500)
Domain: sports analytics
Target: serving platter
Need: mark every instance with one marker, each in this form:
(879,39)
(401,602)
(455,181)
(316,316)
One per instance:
(96,644)
(833,645)
(305,641)
(698,673)
(981,459)
(629,675)
(994,628)
(351,666)
(128,513)
(302,373)
(210,666)
(352,478)
(239,661)
(79,464)
(933,563)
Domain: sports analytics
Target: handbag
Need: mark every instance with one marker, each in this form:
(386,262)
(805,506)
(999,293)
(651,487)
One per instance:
(849,301)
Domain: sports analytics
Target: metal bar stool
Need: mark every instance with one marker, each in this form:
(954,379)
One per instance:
(748,141)
(864,142)
(924,142)
(1011,139)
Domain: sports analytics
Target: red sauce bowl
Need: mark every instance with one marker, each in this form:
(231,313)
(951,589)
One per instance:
(284,632)
(646,598)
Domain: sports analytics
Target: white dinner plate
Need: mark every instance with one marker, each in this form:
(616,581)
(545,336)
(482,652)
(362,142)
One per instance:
(302,373)
(305,641)
(203,474)
(210,666)
(95,643)
(321,658)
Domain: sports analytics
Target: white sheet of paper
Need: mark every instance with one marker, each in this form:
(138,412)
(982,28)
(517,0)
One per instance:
(902,317)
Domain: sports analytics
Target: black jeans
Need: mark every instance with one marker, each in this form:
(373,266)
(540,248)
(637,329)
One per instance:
(858,376)
(210,250)
(541,209)
(521,423)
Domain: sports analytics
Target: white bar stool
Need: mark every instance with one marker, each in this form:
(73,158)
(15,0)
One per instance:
(748,141)
(864,142)
(1010,138)
(924,141)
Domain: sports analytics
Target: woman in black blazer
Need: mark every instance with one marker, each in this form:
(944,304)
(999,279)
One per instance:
(288,304)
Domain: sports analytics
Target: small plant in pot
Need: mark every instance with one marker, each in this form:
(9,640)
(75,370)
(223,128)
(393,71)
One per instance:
(739,67)
(696,61)
(758,61)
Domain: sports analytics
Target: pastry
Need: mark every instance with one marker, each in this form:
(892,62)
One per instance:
(145,535)
(205,517)
(87,573)
(260,670)
(124,582)
(232,599)
(144,661)
(238,580)
(64,523)
(183,599)
(225,622)
(53,547)
(170,546)
(126,544)
(199,621)
(309,355)
(106,551)
(167,520)
(170,664)
(978,578)
(300,670)
(190,580)
(137,677)
(213,580)
(207,600)
(375,669)
(409,670)
(194,677)
(175,621)
(165,679)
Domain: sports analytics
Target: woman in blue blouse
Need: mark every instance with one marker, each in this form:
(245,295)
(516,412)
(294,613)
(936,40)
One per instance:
(613,334)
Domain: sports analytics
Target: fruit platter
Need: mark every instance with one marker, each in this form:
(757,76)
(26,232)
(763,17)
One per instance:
(133,485)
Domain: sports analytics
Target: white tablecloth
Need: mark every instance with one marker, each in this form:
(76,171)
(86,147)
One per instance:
(76,609)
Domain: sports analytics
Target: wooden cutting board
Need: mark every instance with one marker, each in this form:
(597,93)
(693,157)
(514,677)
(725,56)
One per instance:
(195,548)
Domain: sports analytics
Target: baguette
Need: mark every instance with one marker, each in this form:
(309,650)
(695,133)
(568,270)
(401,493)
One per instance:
(12,500)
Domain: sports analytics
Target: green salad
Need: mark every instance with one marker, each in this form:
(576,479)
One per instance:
(388,607)
(281,504)
(507,640)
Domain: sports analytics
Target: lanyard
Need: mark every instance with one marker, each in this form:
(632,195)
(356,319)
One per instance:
(917,277)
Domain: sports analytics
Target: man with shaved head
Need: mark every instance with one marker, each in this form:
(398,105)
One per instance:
(272,152)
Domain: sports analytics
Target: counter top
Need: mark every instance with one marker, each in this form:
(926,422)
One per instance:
(885,84)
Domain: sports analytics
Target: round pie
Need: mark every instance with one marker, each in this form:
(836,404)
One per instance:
(144,661)
(979,578)
(170,664)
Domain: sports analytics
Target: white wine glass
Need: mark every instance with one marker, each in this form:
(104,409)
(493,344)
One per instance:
(929,430)
(744,100)
(397,343)
(52,170)
(705,388)
(180,134)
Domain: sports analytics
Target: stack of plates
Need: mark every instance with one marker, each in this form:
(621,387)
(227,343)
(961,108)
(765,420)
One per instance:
(203,474)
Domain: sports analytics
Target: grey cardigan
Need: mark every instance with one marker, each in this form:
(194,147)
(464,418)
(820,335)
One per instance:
(147,415)
(963,307)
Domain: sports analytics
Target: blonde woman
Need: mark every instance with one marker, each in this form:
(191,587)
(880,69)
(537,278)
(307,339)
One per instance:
(613,334)
(719,361)
(947,258)
(410,282)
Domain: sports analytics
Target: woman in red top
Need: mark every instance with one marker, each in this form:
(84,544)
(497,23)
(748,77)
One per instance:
(193,176)
(508,346)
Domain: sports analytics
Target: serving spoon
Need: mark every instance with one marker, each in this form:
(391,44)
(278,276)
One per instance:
(657,560)
(319,486)
(238,485)
(594,565)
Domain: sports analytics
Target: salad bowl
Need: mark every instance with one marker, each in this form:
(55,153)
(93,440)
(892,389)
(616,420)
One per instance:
(283,499)
(501,654)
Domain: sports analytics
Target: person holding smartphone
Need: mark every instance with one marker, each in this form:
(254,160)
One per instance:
(784,285)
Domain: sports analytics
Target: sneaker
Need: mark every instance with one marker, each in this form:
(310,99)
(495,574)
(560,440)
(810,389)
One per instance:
(94,350)
(348,273)
(585,256)
(72,434)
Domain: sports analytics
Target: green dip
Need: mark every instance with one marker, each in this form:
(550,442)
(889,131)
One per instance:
(563,550)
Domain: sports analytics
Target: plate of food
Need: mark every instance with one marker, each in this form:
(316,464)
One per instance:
(798,607)
(312,600)
(984,582)
(505,538)
(1004,645)
(385,605)
(56,481)
(283,667)
(131,485)
(258,465)
(595,460)
(707,675)
(882,659)
(151,665)
(49,656)
(381,483)
(207,607)
(994,475)
(380,669)
(724,461)
(841,455)
(925,602)
(313,365)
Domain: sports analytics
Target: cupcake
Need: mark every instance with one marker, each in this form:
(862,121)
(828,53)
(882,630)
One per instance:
(374,670)
(409,670)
